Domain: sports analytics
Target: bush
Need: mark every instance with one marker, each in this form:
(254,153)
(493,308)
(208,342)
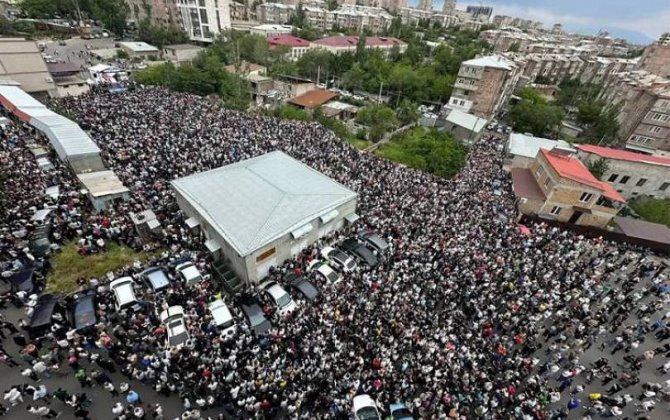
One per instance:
(122,54)
(290,112)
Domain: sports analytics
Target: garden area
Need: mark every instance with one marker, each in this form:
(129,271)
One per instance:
(655,210)
(69,265)
(429,150)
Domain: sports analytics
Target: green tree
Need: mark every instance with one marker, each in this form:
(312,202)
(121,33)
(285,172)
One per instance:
(160,35)
(122,54)
(533,114)
(381,119)
(407,112)
(298,18)
(354,79)
(598,167)
(309,64)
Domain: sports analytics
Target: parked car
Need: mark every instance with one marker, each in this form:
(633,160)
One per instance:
(189,272)
(254,314)
(375,241)
(325,270)
(223,319)
(45,311)
(22,281)
(359,251)
(279,297)
(302,285)
(175,322)
(124,294)
(399,411)
(338,259)
(365,408)
(39,243)
(156,278)
(82,310)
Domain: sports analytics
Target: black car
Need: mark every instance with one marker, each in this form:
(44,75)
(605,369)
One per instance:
(39,243)
(47,305)
(375,241)
(254,314)
(82,313)
(23,281)
(303,286)
(360,251)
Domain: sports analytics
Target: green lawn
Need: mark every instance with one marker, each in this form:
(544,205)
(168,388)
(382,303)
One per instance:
(360,144)
(68,265)
(654,210)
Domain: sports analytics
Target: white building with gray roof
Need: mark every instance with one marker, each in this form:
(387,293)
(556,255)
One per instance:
(262,211)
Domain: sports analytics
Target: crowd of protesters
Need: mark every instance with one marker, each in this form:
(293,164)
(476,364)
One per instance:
(466,317)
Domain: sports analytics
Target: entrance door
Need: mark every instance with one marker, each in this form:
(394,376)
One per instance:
(575,216)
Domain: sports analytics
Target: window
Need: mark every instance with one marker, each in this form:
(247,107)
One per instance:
(556,210)
(613,178)
(624,179)
(586,197)
(641,182)
(539,172)
(664,186)
(654,129)
(547,183)
(265,255)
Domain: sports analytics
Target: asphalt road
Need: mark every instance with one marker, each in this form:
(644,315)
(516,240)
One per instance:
(75,49)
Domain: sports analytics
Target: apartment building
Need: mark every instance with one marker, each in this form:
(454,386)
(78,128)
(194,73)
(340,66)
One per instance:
(559,187)
(297,47)
(341,44)
(448,7)
(239,12)
(204,20)
(503,39)
(644,117)
(412,16)
(159,12)
(359,18)
(484,85)
(656,57)
(631,174)
(425,5)
(274,13)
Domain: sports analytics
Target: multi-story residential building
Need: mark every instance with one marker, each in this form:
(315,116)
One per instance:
(503,21)
(239,12)
(412,16)
(656,57)
(342,44)
(502,40)
(204,20)
(268,30)
(425,5)
(159,12)
(480,12)
(631,174)
(276,13)
(559,187)
(297,47)
(448,7)
(359,18)
(644,116)
(484,85)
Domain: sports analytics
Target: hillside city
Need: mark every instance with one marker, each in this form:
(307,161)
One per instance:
(330,209)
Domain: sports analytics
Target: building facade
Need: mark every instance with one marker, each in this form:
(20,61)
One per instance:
(656,57)
(181,53)
(631,174)
(341,44)
(560,187)
(204,20)
(159,12)
(297,47)
(484,85)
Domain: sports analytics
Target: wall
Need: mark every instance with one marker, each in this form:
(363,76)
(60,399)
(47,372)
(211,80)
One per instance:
(74,89)
(489,92)
(656,60)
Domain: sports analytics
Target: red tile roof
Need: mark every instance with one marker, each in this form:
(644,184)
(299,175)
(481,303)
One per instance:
(618,154)
(352,41)
(572,168)
(313,98)
(288,40)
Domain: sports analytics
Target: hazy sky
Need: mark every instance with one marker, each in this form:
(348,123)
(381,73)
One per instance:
(638,20)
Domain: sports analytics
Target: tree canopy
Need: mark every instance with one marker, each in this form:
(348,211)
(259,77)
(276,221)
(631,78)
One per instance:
(111,13)
(534,115)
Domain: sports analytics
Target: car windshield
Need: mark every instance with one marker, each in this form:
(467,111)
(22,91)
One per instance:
(256,318)
(227,324)
(332,276)
(284,300)
(402,413)
(367,413)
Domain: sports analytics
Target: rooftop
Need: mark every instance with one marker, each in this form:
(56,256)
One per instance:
(102,183)
(528,146)
(56,68)
(138,46)
(352,41)
(182,47)
(618,154)
(643,230)
(495,61)
(255,201)
(313,98)
(465,120)
(288,40)
(573,169)
(244,67)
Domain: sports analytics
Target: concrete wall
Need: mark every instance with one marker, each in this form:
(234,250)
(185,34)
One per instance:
(491,87)
(63,91)
(656,59)
(655,176)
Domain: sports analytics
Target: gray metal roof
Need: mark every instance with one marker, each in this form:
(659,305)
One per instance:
(66,137)
(465,120)
(528,146)
(255,201)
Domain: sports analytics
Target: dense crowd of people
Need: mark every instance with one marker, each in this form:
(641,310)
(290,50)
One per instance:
(466,317)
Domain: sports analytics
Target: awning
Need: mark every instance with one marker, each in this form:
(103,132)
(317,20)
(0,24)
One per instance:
(40,215)
(325,218)
(352,218)
(53,191)
(153,224)
(192,222)
(212,245)
(302,231)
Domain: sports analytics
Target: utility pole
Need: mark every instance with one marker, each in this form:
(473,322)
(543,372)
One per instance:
(379,100)
(318,75)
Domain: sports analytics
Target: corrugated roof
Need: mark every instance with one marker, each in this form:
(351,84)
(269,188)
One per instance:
(66,137)
(255,201)
(138,46)
(102,183)
(313,98)
(352,41)
(465,120)
(573,168)
(13,97)
(528,146)
(618,154)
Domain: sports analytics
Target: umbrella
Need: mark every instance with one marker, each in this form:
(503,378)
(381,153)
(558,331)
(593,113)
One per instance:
(132,397)
(524,230)
(573,403)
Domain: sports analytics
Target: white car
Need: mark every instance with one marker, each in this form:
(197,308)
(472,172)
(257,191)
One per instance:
(189,272)
(223,319)
(124,294)
(175,322)
(325,270)
(338,259)
(365,408)
(279,296)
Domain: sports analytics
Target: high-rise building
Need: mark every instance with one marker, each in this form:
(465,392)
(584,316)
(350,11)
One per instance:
(426,4)
(159,12)
(204,20)
(448,7)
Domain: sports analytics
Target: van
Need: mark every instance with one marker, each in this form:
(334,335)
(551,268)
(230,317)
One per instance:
(223,319)
(124,294)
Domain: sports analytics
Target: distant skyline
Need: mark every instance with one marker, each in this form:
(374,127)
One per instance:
(640,22)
